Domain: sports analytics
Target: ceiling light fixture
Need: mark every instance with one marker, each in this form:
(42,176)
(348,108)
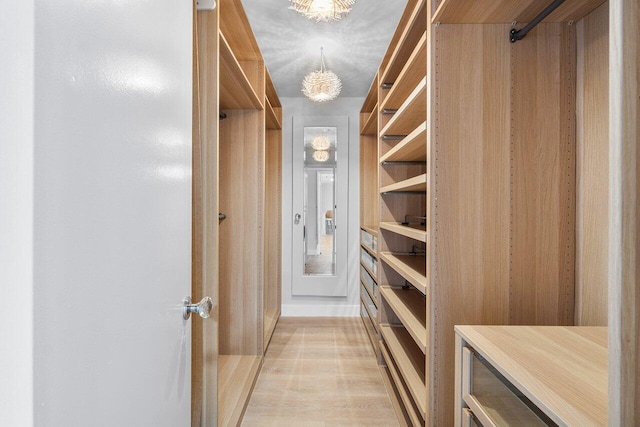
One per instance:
(321,85)
(322,10)
(321,156)
(320,143)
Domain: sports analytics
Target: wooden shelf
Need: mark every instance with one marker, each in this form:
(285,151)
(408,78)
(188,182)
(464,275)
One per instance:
(370,127)
(412,267)
(414,70)
(396,399)
(507,11)
(236,377)
(415,28)
(409,360)
(417,184)
(270,90)
(271,118)
(412,112)
(370,101)
(409,408)
(410,306)
(413,148)
(236,92)
(412,231)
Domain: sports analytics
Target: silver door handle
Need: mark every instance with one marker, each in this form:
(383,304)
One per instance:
(203,308)
(296,219)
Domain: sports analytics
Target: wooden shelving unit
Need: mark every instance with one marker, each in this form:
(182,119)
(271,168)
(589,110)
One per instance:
(236,91)
(413,231)
(410,114)
(370,126)
(236,377)
(410,307)
(400,394)
(403,45)
(417,184)
(411,267)
(409,360)
(507,11)
(409,77)
(460,147)
(236,260)
(411,149)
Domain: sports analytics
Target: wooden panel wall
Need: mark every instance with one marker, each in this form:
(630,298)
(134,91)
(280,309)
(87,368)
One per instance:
(241,233)
(470,215)
(204,397)
(624,209)
(592,169)
(503,218)
(543,176)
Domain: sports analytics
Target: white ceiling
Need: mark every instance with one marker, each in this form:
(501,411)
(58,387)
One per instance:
(353,46)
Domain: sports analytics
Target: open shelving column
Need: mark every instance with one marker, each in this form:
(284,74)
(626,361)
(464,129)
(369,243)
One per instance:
(238,163)
(369,213)
(273,211)
(403,225)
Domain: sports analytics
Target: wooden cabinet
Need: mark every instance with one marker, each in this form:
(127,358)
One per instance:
(531,375)
(237,175)
(477,143)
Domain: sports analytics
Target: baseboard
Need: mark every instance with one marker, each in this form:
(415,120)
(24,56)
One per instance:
(320,311)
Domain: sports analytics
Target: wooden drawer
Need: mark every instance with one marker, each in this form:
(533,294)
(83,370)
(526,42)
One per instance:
(368,261)
(492,399)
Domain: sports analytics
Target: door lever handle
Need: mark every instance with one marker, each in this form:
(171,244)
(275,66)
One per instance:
(203,308)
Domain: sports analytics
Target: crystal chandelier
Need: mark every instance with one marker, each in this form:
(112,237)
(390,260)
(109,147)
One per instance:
(321,85)
(321,156)
(321,143)
(322,10)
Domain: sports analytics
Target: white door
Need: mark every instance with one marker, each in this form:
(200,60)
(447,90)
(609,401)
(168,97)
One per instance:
(320,191)
(112,234)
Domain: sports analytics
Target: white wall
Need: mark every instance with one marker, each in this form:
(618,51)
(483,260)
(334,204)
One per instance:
(321,306)
(16,212)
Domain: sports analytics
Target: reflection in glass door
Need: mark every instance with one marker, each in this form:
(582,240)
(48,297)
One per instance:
(320,161)
(320,173)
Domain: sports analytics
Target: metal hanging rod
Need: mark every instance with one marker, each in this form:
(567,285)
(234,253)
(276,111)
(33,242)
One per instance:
(515,35)
(389,110)
(386,85)
(393,137)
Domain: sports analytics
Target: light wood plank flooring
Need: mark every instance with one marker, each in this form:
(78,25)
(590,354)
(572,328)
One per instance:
(320,372)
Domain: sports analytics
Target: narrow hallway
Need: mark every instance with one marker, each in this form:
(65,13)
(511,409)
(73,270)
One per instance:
(320,372)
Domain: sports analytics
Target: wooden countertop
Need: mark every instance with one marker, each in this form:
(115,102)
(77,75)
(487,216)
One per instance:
(561,369)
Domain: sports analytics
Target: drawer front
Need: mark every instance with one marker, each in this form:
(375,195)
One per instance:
(368,240)
(368,301)
(369,281)
(368,261)
(491,401)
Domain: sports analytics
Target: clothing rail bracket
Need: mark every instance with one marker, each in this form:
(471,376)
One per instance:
(515,35)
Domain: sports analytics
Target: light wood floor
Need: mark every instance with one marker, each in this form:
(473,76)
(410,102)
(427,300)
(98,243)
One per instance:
(325,263)
(320,372)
